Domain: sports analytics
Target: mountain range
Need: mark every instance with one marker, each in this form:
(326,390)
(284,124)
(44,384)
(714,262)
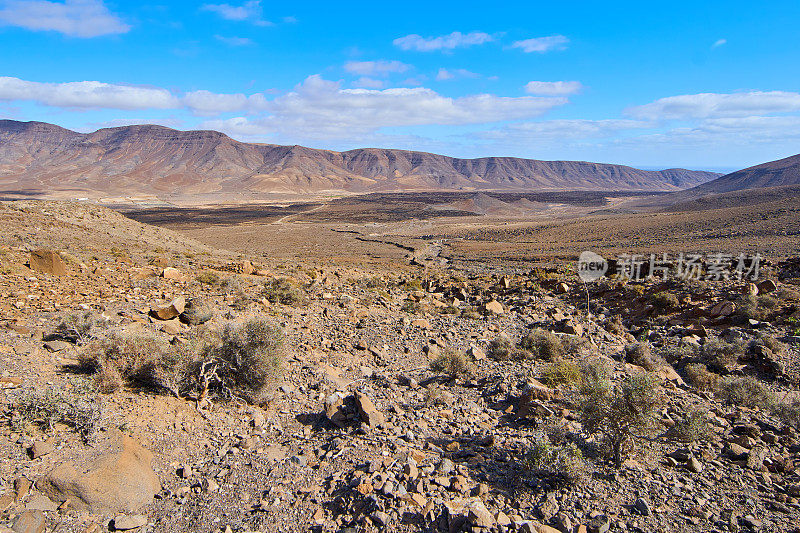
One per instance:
(41,159)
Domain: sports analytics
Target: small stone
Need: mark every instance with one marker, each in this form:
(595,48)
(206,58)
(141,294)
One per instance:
(125,522)
(41,448)
(694,465)
(41,502)
(29,522)
(494,307)
(642,506)
(367,410)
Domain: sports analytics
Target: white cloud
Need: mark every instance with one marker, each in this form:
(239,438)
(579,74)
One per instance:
(369,83)
(207,103)
(445,74)
(234,41)
(443,42)
(249,11)
(553,88)
(75,18)
(375,68)
(542,44)
(719,42)
(87,94)
(714,105)
(558,130)
(321,109)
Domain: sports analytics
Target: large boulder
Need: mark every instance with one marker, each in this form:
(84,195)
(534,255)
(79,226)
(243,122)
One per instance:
(47,262)
(119,479)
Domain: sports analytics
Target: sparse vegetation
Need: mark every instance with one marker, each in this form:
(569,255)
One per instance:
(501,348)
(559,464)
(619,413)
(76,327)
(452,362)
(561,372)
(245,359)
(691,428)
(746,391)
(699,376)
(756,307)
(720,355)
(665,301)
(641,354)
(208,277)
(141,359)
(542,344)
(281,290)
(77,408)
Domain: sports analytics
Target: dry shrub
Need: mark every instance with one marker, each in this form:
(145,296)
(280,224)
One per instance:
(76,327)
(542,344)
(246,358)
(452,362)
(615,325)
(756,307)
(746,391)
(501,348)
(641,354)
(619,412)
(77,407)
(720,355)
(698,375)
(208,277)
(141,359)
(788,411)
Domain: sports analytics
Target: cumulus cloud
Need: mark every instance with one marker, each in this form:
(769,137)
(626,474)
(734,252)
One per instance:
(375,68)
(451,74)
(714,105)
(87,94)
(249,11)
(442,42)
(542,44)
(75,18)
(321,109)
(234,41)
(551,88)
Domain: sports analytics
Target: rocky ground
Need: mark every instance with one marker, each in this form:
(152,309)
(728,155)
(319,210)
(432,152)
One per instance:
(409,398)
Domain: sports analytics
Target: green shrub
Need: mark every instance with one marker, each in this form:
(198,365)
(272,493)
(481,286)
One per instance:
(620,412)
(756,307)
(452,362)
(561,372)
(542,344)
(693,427)
(561,464)
(746,391)
(78,408)
(665,301)
(245,359)
(208,277)
(280,290)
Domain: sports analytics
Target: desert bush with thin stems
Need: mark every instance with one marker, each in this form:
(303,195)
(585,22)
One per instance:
(78,408)
(542,344)
(452,362)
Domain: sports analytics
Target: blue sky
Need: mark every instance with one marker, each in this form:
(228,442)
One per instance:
(712,85)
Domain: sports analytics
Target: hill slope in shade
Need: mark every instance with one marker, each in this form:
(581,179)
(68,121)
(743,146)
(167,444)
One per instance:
(37,158)
(780,173)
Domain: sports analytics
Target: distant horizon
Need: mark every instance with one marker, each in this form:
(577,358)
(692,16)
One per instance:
(719,170)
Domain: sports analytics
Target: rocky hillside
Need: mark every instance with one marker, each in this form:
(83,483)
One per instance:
(42,159)
(780,173)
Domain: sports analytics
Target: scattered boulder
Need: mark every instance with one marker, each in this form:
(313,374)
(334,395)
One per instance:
(171,310)
(47,262)
(29,522)
(494,307)
(196,312)
(121,478)
(767,286)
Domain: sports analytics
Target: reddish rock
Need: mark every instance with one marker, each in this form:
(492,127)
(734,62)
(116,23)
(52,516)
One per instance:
(47,262)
